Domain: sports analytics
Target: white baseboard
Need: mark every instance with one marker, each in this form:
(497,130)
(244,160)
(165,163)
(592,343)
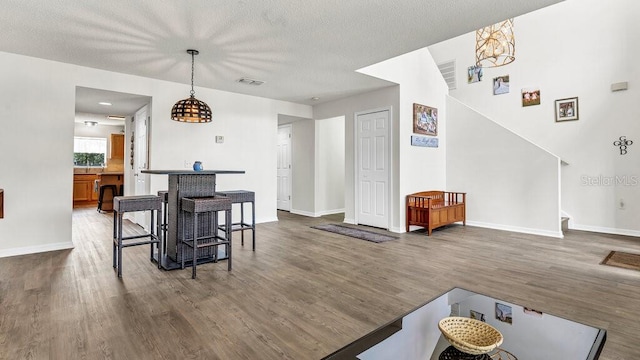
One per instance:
(303,213)
(266,220)
(316,214)
(555,234)
(605,230)
(349,221)
(330,212)
(35,249)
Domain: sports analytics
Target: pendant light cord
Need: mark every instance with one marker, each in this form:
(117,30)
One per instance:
(192,60)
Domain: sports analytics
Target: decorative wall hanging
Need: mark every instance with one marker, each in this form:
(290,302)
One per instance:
(567,109)
(496,44)
(424,141)
(425,120)
(503,313)
(477,315)
(474,73)
(530,96)
(501,85)
(623,143)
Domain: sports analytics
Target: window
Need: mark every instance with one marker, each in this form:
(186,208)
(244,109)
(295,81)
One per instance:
(89,151)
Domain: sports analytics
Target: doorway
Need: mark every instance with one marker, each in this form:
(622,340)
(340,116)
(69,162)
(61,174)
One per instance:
(105,115)
(373,163)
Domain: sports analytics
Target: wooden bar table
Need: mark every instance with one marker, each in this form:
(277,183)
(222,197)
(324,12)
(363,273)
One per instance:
(186,183)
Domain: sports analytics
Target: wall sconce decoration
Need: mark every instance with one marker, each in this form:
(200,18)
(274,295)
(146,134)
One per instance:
(496,45)
(623,143)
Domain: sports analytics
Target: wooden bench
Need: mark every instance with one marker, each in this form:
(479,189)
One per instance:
(433,209)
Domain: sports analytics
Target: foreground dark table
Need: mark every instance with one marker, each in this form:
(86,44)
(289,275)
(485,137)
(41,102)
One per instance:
(186,183)
(527,333)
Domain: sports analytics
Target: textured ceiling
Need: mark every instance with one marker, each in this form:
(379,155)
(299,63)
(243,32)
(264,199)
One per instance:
(301,49)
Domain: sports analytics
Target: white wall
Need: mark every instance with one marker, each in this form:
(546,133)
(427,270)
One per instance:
(418,168)
(575,48)
(35,154)
(330,165)
(347,107)
(511,184)
(303,167)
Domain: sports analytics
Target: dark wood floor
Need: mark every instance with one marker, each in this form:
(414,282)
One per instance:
(302,294)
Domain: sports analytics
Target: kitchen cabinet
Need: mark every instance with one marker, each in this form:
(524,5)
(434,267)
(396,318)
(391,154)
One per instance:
(117,146)
(84,193)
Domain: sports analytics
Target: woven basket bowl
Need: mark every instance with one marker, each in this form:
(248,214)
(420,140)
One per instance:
(469,335)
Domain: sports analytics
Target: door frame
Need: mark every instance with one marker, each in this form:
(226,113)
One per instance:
(356,154)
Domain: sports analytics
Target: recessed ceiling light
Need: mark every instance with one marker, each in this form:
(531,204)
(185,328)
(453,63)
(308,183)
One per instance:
(91,123)
(315,98)
(248,81)
(115,117)
(105,103)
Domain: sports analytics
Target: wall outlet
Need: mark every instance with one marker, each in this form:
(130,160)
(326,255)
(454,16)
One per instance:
(187,164)
(219,139)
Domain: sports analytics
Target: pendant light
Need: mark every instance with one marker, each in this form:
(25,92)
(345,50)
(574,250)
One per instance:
(496,45)
(191,109)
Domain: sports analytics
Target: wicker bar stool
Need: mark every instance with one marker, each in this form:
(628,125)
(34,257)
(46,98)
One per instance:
(123,204)
(241,197)
(206,236)
(164,226)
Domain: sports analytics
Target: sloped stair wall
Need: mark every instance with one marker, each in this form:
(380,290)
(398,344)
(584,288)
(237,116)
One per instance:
(511,183)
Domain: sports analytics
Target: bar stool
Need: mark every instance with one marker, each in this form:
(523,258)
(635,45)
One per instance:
(206,234)
(241,197)
(123,204)
(164,226)
(103,188)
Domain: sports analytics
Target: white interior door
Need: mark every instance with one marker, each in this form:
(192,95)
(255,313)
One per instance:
(141,159)
(284,167)
(373,162)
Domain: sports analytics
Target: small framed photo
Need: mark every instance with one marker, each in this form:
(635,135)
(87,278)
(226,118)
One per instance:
(501,85)
(477,315)
(474,73)
(567,109)
(425,120)
(503,313)
(530,96)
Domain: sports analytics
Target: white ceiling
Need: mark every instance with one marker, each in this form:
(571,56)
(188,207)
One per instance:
(301,49)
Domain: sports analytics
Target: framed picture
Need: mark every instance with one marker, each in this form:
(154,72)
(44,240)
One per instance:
(477,315)
(501,85)
(425,120)
(503,313)
(532,312)
(474,73)
(567,109)
(530,96)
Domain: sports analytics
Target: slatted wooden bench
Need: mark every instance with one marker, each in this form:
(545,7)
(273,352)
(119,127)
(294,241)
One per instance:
(433,209)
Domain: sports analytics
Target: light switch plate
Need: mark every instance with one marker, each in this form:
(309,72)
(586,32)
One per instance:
(219,139)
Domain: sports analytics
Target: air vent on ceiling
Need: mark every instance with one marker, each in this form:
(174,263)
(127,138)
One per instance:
(248,81)
(448,71)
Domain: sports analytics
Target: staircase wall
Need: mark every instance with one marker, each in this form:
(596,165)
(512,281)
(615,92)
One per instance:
(511,183)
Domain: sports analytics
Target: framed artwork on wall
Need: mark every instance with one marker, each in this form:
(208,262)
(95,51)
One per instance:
(474,74)
(501,85)
(503,313)
(530,96)
(425,120)
(567,109)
